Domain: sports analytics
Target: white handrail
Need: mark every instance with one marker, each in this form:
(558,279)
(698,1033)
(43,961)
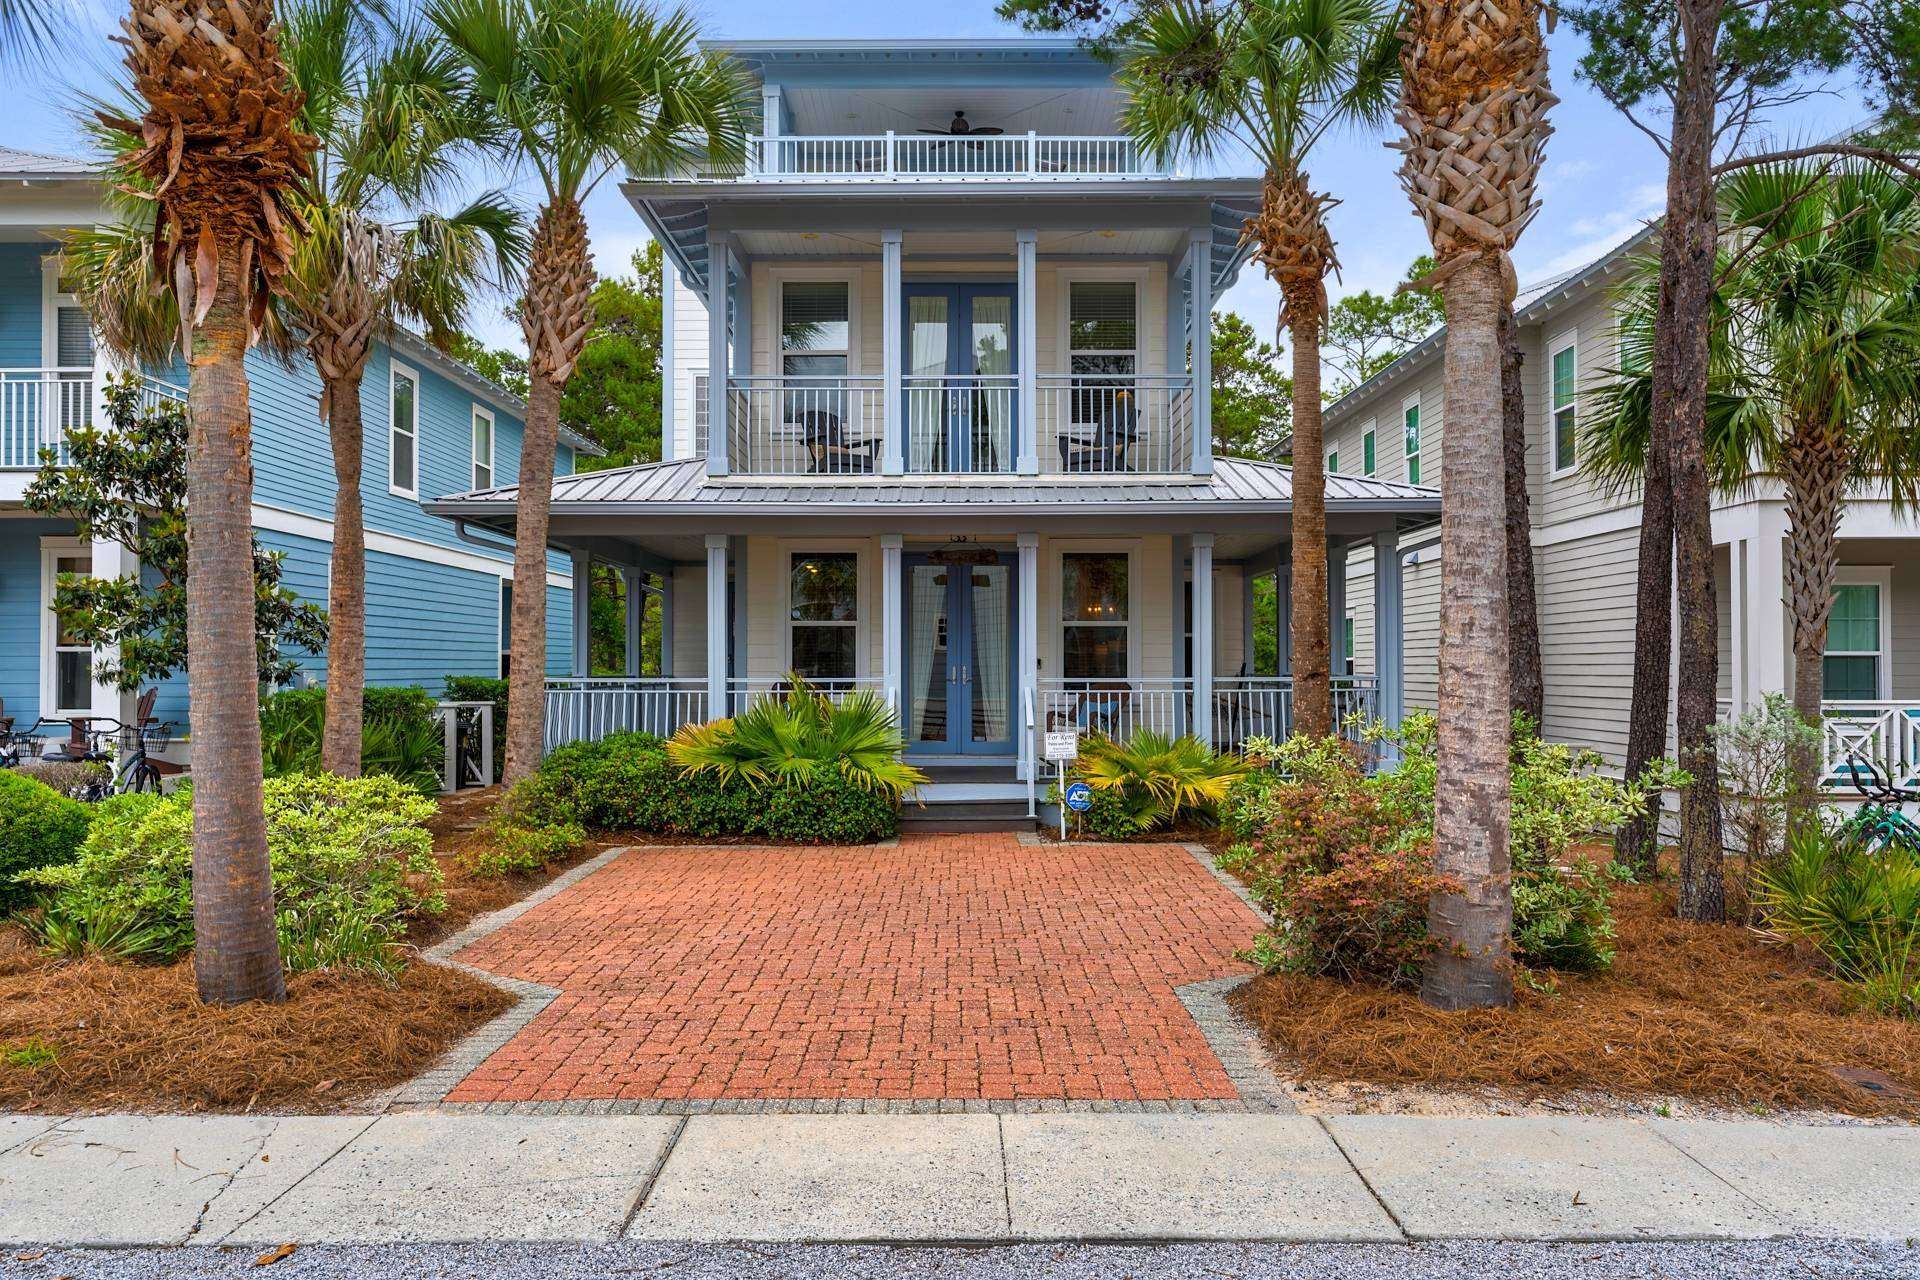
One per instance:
(912,157)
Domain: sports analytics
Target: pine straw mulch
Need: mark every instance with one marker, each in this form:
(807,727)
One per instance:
(1707,1012)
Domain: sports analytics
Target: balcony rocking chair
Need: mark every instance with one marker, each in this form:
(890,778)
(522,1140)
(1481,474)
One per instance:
(833,453)
(1115,428)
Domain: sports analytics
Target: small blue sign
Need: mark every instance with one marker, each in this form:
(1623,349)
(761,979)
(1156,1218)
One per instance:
(1079,797)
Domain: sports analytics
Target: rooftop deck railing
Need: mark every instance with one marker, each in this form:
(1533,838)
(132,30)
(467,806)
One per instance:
(914,157)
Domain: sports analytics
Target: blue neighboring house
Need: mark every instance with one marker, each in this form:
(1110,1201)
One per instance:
(437,601)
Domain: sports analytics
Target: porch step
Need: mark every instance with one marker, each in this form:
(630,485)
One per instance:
(954,816)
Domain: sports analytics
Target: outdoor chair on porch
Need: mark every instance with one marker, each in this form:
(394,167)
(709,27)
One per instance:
(1115,427)
(833,453)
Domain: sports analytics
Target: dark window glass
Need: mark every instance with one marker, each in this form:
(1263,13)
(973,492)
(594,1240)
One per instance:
(824,605)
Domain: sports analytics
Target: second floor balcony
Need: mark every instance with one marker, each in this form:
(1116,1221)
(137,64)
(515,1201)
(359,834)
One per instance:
(919,158)
(39,408)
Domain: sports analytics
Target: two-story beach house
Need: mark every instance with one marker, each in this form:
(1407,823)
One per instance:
(1586,544)
(436,603)
(939,423)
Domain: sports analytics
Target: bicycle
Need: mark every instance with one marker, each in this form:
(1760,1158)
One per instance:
(133,750)
(1880,823)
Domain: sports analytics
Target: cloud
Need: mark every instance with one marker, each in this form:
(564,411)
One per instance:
(1595,234)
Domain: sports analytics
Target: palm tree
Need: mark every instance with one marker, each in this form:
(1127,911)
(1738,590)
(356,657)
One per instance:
(394,124)
(1473,103)
(1275,76)
(1813,371)
(222,154)
(576,87)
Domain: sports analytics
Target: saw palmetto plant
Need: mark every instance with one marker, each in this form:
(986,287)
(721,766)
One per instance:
(1473,113)
(575,89)
(1275,77)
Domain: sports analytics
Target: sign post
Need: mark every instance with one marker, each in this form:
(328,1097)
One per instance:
(1062,747)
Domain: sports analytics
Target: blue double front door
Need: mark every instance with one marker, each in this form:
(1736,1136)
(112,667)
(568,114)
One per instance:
(959,378)
(959,653)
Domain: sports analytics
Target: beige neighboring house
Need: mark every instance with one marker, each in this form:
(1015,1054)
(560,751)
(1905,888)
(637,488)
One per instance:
(1586,544)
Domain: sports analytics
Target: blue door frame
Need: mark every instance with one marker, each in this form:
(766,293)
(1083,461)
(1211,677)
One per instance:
(961,360)
(960,675)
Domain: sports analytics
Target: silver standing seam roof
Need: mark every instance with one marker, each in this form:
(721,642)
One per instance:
(1237,485)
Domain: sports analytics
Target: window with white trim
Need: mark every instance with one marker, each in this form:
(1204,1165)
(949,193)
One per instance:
(816,335)
(1093,615)
(1333,460)
(482,448)
(403,433)
(823,613)
(1368,457)
(66,674)
(1854,667)
(1410,424)
(1563,393)
(1103,327)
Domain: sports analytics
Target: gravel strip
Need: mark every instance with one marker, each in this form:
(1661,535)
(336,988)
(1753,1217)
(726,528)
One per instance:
(1796,1258)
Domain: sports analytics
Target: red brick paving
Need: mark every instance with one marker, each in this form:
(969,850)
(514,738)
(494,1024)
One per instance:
(950,967)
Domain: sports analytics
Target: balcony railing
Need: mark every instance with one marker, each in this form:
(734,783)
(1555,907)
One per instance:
(39,407)
(908,157)
(1885,734)
(954,424)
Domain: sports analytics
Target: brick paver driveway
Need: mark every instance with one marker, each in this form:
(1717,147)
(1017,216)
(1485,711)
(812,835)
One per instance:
(950,967)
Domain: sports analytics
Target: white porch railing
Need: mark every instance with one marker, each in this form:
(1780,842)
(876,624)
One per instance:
(1886,734)
(38,407)
(744,691)
(961,423)
(581,710)
(788,426)
(1108,424)
(1116,708)
(913,157)
(1262,707)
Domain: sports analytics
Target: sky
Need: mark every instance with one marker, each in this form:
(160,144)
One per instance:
(1602,181)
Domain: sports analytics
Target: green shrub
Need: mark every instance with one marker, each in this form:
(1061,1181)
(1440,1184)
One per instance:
(351,863)
(1859,908)
(39,827)
(1153,780)
(801,740)
(399,736)
(108,929)
(484,689)
(68,777)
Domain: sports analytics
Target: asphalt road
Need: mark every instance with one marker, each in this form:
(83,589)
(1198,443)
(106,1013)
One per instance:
(1665,1261)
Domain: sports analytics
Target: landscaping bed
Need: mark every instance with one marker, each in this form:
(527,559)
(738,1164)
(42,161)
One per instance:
(1713,1013)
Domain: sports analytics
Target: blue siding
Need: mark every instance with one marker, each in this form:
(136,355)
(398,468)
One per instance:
(20,620)
(20,305)
(559,631)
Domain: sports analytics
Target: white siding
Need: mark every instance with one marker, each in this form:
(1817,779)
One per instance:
(689,620)
(689,359)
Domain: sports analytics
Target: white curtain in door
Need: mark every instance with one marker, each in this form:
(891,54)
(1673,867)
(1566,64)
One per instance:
(991,694)
(927,605)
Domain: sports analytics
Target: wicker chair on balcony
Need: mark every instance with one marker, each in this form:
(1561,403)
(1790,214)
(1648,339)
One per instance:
(833,453)
(1115,426)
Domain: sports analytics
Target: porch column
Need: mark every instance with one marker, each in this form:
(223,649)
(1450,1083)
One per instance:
(1027,649)
(1737,552)
(893,414)
(892,645)
(716,625)
(1203,636)
(1337,606)
(719,266)
(1200,334)
(635,584)
(1026,328)
(582,613)
(1176,316)
(110,560)
(666,621)
(1766,664)
(739,647)
(1389,629)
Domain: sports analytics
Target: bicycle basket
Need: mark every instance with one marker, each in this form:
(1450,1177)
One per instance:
(155,737)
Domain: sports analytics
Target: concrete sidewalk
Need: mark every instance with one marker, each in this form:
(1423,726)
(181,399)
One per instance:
(437,1177)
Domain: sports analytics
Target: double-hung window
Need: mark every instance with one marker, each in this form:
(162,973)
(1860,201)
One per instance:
(815,343)
(482,448)
(1410,421)
(823,613)
(403,433)
(1333,460)
(1563,366)
(66,682)
(1368,457)
(1855,663)
(1103,351)
(1094,616)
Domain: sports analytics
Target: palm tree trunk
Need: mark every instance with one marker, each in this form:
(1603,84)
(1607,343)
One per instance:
(236,954)
(1636,843)
(347,585)
(1815,469)
(526,688)
(1312,640)
(1688,241)
(1470,965)
(1523,612)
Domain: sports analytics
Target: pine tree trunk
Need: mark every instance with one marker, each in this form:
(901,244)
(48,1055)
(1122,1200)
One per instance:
(347,585)
(1637,842)
(526,689)
(236,954)
(1523,611)
(1311,637)
(1688,241)
(1815,470)
(1470,966)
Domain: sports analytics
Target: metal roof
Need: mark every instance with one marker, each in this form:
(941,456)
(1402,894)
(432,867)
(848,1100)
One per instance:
(17,163)
(683,487)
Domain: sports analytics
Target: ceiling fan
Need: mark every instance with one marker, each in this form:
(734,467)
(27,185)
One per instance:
(959,128)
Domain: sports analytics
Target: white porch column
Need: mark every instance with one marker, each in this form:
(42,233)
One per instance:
(1389,628)
(892,622)
(1203,636)
(1027,648)
(582,613)
(1026,326)
(109,560)
(1766,607)
(1200,334)
(893,414)
(1737,552)
(716,625)
(1337,606)
(719,265)
(666,622)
